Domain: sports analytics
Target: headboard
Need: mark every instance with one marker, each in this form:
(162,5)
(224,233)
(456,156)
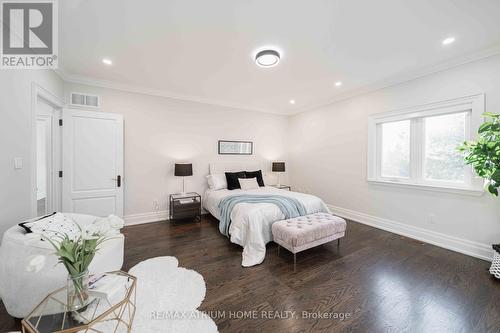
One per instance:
(221,167)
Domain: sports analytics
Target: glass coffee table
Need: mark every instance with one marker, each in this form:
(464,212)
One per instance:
(112,312)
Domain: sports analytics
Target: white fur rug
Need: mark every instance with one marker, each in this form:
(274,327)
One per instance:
(168,297)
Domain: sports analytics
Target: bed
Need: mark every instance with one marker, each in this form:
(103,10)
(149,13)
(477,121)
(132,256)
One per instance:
(251,223)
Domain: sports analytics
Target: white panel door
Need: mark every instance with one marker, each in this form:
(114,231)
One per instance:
(92,162)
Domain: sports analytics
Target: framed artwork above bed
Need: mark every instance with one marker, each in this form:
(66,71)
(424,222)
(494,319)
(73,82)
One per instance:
(227,147)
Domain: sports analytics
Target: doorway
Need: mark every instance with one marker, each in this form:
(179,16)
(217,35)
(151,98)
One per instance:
(78,159)
(47,153)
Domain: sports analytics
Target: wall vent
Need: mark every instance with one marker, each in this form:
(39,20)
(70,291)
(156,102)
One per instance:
(84,100)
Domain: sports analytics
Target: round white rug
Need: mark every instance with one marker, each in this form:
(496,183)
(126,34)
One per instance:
(168,297)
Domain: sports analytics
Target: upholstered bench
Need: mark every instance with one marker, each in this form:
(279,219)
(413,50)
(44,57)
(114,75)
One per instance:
(305,232)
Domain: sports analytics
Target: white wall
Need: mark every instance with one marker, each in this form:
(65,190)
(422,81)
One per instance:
(326,152)
(16,137)
(160,131)
(328,148)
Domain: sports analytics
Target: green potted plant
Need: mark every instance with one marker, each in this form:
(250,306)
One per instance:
(484,156)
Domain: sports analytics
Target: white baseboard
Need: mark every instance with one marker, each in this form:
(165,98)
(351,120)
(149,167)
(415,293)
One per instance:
(149,217)
(474,249)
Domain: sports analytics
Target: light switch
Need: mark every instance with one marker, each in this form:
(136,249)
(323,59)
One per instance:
(18,162)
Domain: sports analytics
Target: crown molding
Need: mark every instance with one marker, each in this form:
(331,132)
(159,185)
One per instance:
(365,89)
(79,79)
(405,77)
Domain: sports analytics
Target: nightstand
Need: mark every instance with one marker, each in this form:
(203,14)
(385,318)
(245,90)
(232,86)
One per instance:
(185,205)
(283,187)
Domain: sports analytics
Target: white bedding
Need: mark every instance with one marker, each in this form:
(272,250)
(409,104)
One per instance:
(251,223)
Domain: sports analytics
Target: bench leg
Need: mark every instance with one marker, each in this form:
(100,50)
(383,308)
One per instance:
(278,250)
(338,243)
(294,262)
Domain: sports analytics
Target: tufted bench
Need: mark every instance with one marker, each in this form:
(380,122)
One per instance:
(305,232)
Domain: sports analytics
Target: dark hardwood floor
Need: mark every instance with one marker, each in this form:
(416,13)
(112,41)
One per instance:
(379,281)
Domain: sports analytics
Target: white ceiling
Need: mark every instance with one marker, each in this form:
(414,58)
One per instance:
(203,50)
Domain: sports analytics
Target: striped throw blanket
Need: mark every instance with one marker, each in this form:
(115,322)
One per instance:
(290,207)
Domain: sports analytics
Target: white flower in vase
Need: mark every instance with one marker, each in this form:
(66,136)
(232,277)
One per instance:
(108,226)
(91,231)
(115,222)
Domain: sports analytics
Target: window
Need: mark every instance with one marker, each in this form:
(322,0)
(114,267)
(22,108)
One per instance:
(418,146)
(396,149)
(442,161)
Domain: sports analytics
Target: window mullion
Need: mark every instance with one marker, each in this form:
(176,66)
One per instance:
(417,150)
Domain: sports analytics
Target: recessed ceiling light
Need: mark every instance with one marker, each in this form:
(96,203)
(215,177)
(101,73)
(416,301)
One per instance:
(267,58)
(448,41)
(107,61)
(338,83)
(292,101)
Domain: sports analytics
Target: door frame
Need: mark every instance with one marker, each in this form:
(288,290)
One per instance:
(37,91)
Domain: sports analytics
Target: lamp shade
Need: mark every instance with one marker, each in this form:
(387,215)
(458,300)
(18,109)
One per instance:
(183,169)
(278,166)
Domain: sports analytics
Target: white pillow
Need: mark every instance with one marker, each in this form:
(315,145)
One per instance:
(248,183)
(55,226)
(217,181)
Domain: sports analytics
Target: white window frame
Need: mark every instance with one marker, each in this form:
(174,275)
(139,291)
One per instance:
(474,105)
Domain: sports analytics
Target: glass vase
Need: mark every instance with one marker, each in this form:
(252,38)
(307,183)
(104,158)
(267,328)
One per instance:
(78,291)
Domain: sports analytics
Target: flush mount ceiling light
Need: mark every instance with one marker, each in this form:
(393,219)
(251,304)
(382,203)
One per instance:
(107,62)
(448,41)
(267,58)
(292,101)
(338,83)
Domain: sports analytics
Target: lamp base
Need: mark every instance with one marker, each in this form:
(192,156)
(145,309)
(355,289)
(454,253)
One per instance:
(183,186)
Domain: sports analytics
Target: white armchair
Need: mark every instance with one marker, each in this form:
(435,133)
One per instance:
(21,290)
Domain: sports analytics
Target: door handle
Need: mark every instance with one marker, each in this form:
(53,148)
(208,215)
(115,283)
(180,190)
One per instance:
(118,180)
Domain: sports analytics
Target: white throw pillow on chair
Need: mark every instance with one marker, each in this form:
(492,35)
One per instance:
(248,183)
(55,227)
